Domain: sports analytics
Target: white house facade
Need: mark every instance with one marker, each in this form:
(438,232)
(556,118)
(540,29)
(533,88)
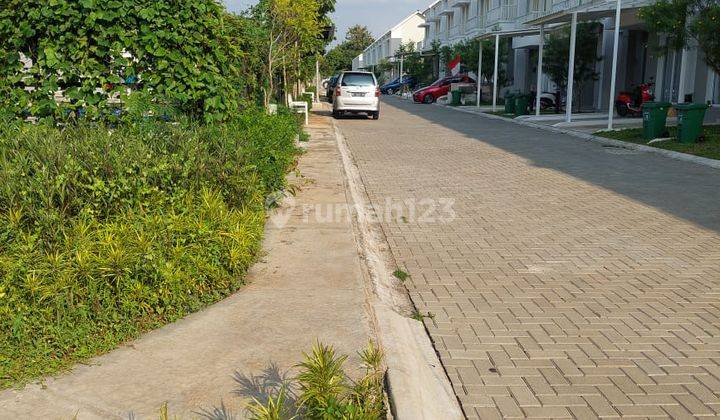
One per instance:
(358,63)
(409,30)
(678,76)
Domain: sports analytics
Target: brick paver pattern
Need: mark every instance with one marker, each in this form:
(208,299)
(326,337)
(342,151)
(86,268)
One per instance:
(575,280)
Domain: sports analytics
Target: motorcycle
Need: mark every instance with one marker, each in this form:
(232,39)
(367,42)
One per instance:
(547,101)
(630,103)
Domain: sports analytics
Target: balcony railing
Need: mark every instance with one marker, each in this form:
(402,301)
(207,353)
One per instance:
(559,6)
(502,13)
(454,31)
(540,10)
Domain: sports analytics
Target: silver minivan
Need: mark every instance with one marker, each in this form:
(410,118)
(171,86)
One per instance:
(357,92)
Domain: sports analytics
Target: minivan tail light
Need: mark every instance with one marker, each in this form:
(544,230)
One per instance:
(338,92)
(377,92)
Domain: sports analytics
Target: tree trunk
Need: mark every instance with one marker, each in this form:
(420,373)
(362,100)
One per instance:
(284,92)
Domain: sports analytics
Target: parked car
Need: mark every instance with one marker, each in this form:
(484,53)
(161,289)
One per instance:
(440,87)
(396,85)
(356,92)
(330,87)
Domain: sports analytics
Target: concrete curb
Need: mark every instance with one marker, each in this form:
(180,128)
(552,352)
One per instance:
(418,386)
(602,140)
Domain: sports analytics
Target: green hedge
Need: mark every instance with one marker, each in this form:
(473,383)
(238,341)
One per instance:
(307,98)
(106,234)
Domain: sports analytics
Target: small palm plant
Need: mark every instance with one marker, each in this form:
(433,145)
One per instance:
(326,391)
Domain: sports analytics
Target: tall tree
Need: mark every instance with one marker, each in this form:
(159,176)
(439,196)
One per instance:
(340,58)
(358,38)
(679,22)
(290,30)
(557,51)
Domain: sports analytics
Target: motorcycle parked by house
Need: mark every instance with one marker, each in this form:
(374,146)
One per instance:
(547,101)
(630,103)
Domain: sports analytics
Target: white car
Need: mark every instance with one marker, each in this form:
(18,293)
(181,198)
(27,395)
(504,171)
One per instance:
(357,92)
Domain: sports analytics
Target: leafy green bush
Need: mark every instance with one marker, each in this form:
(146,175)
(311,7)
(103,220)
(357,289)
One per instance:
(92,49)
(307,98)
(106,234)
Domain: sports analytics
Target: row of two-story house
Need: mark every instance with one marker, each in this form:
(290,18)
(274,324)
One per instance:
(679,76)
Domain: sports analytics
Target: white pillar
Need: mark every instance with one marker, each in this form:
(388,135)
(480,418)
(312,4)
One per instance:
(687,74)
(479,73)
(571,69)
(672,77)
(710,86)
(495,72)
(538,88)
(613,72)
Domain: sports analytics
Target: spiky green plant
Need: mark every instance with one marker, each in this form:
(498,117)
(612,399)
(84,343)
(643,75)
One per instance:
(322,380)
(275,408)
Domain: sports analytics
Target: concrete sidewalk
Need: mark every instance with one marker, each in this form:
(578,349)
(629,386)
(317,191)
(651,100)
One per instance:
(308,287)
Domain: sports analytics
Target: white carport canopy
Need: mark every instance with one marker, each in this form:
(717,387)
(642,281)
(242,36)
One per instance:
(497,36)
(618,9)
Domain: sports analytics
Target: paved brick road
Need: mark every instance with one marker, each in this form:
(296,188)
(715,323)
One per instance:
(575,281)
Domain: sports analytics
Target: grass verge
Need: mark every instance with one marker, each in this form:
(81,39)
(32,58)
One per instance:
(709,148)
(105,234)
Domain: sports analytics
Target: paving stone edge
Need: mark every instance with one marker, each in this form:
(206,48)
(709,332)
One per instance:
(417,384)
(713,163)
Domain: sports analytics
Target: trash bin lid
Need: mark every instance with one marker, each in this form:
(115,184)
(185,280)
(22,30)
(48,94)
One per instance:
(690,106)
(652,105)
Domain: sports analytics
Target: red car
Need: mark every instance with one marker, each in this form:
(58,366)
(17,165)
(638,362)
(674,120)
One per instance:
(441,87)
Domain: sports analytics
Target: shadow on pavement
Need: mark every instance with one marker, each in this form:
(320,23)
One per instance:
(683,189)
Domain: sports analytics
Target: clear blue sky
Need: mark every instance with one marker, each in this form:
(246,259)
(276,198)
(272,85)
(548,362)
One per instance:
(377,15)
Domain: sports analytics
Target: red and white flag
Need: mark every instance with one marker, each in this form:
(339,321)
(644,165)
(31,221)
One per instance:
(455,65)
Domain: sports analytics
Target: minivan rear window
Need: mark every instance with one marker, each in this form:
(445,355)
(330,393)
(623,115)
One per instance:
(358,79)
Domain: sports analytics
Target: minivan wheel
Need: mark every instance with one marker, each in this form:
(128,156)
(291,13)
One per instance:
(390,92)
(376,115)
(336,114)
(428,99)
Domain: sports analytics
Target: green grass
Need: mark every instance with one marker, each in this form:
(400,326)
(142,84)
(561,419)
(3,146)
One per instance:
(108,233)
(401,275)
(709,148)
(419,316)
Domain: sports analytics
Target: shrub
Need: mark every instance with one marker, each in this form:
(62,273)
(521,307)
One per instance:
(106,234)
(307,98)
(326,391)
(92,49)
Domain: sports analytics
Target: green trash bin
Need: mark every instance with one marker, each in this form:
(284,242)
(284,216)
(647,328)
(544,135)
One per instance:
(455,98)
(654,119)
(521,104)
(689,121)
(509,103)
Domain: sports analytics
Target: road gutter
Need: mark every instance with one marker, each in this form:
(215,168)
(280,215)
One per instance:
(418,386)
